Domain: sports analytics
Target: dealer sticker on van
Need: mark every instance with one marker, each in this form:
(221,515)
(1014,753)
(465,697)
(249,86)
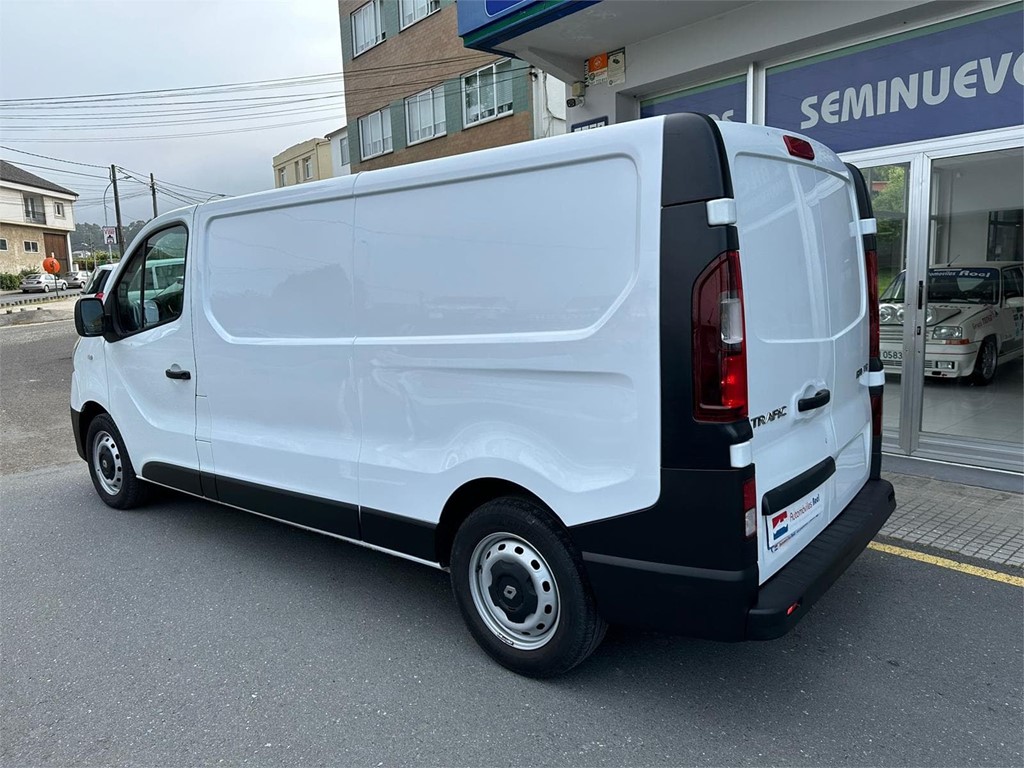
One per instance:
(783,525)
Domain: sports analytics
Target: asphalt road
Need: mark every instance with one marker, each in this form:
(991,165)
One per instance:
(187,633)
(35,385)
(8,298)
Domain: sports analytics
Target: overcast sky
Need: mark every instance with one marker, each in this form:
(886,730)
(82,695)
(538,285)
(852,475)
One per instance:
(83,47)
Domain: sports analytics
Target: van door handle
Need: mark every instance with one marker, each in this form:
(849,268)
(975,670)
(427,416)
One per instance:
(818,399)
(178,374)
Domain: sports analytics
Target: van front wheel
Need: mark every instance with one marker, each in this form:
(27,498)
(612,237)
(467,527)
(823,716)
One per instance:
(521,588)
(110,466)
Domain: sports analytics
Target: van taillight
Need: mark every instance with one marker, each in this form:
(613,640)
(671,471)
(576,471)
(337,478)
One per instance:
(719,352)
(871,259)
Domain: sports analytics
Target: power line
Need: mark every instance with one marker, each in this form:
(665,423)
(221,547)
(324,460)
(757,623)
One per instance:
(220,87)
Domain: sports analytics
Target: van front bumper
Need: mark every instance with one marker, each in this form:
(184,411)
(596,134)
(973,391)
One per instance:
(729,605)
(76,428)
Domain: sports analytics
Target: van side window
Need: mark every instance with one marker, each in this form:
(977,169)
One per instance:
(152,288)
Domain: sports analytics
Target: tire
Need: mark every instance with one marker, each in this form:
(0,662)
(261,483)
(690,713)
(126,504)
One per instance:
(46,289)
(63,286)
(110,467)
(531,630)
(986,364)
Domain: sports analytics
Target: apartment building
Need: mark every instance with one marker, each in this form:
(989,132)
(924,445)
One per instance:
(36,220)
(414,92)
(309,160)
(341,160)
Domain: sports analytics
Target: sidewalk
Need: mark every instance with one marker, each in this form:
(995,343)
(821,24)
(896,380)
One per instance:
(954,518)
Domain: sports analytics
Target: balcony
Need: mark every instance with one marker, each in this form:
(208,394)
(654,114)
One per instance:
(35,217)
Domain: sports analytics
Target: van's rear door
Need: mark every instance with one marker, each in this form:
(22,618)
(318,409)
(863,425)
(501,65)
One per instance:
(802,268)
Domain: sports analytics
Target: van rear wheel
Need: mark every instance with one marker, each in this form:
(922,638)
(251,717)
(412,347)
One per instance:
(110,466)
(522,590)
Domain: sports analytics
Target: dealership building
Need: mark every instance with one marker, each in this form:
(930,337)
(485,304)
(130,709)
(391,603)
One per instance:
(927,98)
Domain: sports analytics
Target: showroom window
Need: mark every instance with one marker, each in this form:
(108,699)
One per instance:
(375,134)
(424,115)
(487,93)
(367,29)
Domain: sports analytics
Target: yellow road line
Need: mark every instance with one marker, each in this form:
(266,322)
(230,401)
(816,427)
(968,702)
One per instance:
(953,565)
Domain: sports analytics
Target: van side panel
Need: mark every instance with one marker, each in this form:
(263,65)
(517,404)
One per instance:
(274,334)
(506,328)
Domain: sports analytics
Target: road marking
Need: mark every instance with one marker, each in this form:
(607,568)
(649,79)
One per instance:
(953,565)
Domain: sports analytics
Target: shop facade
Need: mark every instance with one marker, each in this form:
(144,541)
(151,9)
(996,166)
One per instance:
(926,98)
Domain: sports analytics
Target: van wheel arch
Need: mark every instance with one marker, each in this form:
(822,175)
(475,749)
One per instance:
(89,412)
(468,498)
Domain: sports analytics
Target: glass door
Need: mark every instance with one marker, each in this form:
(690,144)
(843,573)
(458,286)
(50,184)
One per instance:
(969,334)
(889,187)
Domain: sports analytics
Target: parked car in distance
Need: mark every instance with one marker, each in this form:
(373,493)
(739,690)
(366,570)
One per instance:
(973,320)
(98,279)
(77,279)
(44,283)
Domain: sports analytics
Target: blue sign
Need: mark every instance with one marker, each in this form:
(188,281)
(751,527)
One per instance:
(954,78)
(725,100)
(498,7)
(479,19)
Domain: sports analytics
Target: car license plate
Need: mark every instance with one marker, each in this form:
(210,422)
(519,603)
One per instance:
(896,355)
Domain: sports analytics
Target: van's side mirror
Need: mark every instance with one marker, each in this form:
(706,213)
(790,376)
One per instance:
(90,320)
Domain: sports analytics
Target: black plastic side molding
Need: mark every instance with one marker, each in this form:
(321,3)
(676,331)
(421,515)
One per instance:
(694,164)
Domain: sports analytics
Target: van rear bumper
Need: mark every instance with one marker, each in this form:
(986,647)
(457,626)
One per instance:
(729,605)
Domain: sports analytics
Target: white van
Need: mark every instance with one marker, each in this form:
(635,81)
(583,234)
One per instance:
(624,376)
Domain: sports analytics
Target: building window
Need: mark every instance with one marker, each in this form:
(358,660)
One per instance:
(3,244)
(307,168)
(375,134)
(367,30)
(414,10)
(34,212)
(297,177)
(58,209)
(31,246)
(345,158)
(487,93)
(280,177)
(424,115)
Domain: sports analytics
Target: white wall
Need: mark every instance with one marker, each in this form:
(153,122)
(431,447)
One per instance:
(339,168)
(762,32)
(548,105)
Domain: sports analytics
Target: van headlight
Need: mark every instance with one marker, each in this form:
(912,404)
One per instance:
(940,332)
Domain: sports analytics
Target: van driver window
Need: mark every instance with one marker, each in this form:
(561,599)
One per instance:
(152,288)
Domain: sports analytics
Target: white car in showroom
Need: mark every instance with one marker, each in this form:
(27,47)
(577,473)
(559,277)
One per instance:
(973,320)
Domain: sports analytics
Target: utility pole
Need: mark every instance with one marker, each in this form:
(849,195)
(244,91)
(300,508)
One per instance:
(117,209)
(152,188)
